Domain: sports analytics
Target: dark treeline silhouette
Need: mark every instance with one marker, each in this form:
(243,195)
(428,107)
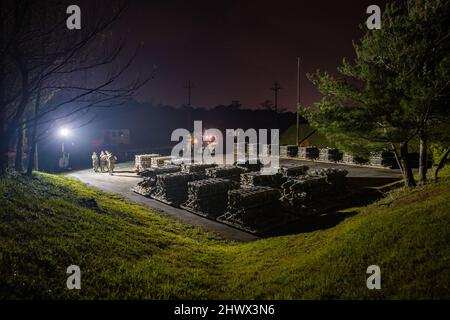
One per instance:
(150,128)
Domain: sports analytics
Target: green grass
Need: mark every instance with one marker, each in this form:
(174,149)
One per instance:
(124,251)
(316,140)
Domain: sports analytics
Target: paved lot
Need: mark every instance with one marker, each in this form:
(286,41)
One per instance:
(125,178)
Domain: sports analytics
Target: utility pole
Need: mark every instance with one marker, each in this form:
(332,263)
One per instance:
(189,88)
(275,88)
(298,101)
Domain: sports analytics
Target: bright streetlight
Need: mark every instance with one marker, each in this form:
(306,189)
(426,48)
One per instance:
(64,160)
(64,132)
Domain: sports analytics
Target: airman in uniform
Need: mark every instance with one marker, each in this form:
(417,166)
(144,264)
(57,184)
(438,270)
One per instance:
(103,160)
(95,161)
(111,160)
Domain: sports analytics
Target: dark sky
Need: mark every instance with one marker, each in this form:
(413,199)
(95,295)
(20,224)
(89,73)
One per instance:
(234,50)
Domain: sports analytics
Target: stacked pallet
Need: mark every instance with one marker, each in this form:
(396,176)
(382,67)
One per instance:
(330,154)
(144,161)
(293,171)
(152,172)
(308,152)
(251,206)
(159,161)
(145,187)
(383,159)
(225,172)
(313,191)
(335,177)
(289,151)
(208,197)
(196,167)
(349,158)
(254,179)
(250,165)
(171,188)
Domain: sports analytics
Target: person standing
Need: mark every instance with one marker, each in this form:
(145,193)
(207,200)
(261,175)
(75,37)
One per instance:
(95,161)
(103,161)
(111,160)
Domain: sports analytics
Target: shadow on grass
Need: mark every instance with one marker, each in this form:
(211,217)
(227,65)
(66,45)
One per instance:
(309,224)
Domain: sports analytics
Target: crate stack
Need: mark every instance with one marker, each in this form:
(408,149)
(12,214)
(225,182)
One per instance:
(251,208)
(303,196)
(145,187)
(159,161)
(152,172)
(171,188)
(208,197)
(196,167)
(290,151)
(308,153)
(225,172)
(250,166)
(293,171)
(330,154)
(254,179)
(144,161)
(383,159)
(351,159)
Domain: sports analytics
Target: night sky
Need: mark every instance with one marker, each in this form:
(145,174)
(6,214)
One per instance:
(235,50)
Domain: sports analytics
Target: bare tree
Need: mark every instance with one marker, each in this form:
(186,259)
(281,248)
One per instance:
(40,57)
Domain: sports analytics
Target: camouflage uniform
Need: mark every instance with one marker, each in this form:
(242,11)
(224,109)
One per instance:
(95,162)
(103,160)
(111,162)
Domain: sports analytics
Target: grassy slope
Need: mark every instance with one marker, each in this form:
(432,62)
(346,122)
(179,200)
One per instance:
(124,251)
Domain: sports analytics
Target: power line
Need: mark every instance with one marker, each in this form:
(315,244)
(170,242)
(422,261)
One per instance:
(189,86)
(276,87)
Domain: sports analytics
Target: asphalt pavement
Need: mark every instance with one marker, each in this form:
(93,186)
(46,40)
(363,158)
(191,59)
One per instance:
(125,178)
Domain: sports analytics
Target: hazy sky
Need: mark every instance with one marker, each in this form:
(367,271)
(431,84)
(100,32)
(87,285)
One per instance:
(235,50)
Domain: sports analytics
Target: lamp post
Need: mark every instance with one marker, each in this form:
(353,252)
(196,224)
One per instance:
(64,160)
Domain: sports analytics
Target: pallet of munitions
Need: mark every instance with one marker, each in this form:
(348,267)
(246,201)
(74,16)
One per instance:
(293,171)
(171,188)
(147,186)
(159,161)
(308,152)
(152,172)
(330,154)
(349,158)
(289,151)
(250,165)
(383,159)
(225,172)
(253,179)
(208,197)
(255,210)
(314,192)
(196,167)
(144,161)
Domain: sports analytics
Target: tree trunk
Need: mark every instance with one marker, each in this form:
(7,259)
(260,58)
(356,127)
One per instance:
(3,153)
(397,158)
(19,146)
(423,158)
(33,142)
(441,164)
(407,172)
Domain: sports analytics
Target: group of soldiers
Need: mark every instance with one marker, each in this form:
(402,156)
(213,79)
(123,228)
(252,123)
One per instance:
(106,161)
